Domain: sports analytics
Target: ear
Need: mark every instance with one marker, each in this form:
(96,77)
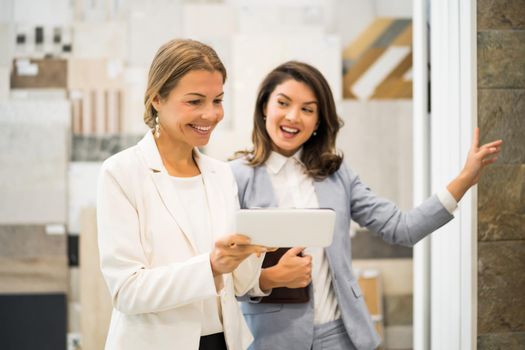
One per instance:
(156,102)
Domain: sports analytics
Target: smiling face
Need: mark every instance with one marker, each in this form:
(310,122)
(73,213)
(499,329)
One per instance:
(291,116)
(192,109)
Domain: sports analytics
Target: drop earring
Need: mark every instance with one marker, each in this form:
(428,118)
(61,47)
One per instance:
(315,133)
(157,127)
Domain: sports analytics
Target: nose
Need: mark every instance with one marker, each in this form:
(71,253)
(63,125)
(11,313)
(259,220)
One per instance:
(292,114)
(211,113)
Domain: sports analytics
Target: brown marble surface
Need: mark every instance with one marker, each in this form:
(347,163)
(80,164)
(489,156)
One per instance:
(398,310)
(501,203)
(501,59)
(501,286)
(502,341)
(32,261)
(501,115)
(497,14)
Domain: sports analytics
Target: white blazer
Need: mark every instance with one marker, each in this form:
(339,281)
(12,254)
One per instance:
(156,275)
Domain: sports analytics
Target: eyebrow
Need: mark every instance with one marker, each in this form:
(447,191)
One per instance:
(201,95)
(305,103)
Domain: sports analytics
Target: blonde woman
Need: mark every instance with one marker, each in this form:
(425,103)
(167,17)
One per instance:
(165,214)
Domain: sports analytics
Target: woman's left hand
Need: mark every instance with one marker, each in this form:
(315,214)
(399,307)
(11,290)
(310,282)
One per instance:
(477,159)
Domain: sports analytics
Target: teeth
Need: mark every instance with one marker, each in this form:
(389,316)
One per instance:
(290,130)
(201,128)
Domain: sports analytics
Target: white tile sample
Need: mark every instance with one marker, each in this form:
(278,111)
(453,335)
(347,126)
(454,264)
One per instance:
(34,140)
(4,83)
(135,80)
(377,143)
(151,24)
(82,192)
(7,39)
(43,12)
(202,21)
(100,40)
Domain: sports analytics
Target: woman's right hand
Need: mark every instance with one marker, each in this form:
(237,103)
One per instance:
(292,271)
(230,251)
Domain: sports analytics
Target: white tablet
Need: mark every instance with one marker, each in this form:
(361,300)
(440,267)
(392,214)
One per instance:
(274,227)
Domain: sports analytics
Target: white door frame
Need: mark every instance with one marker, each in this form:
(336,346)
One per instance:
(445,274)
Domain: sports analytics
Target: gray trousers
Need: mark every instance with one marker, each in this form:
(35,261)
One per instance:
(332,336)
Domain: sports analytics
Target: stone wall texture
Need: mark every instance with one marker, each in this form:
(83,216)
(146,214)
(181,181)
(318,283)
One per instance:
(501,191)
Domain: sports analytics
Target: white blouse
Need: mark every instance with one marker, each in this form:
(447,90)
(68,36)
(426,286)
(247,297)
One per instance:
(192,194)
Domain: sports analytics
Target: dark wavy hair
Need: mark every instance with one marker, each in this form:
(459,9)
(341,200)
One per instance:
(319,153)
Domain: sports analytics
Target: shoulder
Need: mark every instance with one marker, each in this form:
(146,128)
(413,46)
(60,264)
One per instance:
(241,169)
(217,166)
(121,162)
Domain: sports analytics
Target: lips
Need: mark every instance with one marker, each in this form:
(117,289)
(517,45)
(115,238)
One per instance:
(289,130)
(201,129)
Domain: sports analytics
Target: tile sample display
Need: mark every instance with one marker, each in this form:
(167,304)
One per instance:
(34,139)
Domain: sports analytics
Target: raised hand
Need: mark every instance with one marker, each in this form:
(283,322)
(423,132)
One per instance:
(478,158)
(292,271)
(230,251)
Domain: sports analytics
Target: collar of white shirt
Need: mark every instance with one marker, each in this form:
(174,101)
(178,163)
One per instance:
(276,161)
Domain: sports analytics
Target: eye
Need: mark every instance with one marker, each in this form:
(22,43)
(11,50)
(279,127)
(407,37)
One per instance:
(282,103)
(308,110)
(217,101)
(195,102)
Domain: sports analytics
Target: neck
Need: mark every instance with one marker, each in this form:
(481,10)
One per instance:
(176,156)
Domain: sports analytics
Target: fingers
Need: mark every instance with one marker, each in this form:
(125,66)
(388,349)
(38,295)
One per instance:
(294,251)
(475,139)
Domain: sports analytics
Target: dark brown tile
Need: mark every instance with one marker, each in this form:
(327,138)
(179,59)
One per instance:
(51,73)
(501,282)
(501,203)
(497,14)
(502,341)
(398,310)
(501,115)
(501,59)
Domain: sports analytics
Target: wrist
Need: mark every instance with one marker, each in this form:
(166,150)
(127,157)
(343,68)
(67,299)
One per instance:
(268,279)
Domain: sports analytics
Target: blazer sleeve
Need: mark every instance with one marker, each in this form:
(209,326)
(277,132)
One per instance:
(384,218)
(135,287)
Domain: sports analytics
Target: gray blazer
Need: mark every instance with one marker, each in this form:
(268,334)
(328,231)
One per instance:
(290,326)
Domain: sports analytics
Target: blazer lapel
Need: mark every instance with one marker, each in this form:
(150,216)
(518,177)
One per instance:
(165,188)
(260,193)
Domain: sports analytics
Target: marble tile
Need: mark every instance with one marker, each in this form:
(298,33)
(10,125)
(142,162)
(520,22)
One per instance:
(495,14)
(99,148)
(4,83)
(52,12)
(34,139)
(396,274)
(398,337)
(501,301)
(100,40)
(501,116)
(144,38)
(501,59)
(501,203)
(384,130)
(502,341)
(212,20)
(25,241)
(82,191)
(32,261)
(366,245)
(398,310)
